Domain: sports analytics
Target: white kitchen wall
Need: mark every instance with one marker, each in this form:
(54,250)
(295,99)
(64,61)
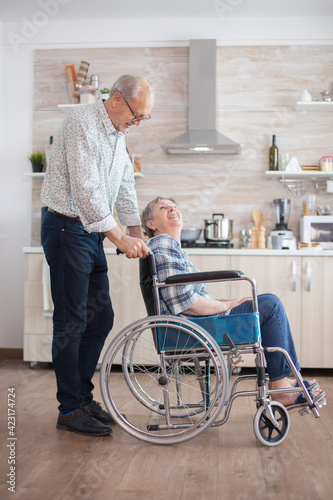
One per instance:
(19,40)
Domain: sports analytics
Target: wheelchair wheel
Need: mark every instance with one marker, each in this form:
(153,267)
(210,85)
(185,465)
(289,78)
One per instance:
(168,397)
(140,351)
(264,429)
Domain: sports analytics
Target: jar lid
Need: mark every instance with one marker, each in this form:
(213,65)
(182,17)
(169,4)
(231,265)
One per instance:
(325,157)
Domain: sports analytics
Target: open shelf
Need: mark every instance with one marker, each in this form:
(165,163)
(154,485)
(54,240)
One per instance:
(298,182)
(314,106)
(310,175)
(42,174)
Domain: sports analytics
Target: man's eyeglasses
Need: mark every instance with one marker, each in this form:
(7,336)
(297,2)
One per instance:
(137,118)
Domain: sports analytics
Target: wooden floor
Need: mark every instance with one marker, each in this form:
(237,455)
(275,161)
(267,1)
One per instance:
(223,463)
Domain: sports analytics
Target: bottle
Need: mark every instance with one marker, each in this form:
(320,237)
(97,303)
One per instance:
(48,150)
(273,156)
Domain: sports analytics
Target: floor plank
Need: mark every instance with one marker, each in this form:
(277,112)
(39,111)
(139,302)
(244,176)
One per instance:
(223,463)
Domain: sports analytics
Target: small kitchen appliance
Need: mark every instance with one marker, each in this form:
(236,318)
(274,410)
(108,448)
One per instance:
(218,230)
(281,237)
(317,229)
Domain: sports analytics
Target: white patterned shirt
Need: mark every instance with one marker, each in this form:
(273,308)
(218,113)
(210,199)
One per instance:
(90,171)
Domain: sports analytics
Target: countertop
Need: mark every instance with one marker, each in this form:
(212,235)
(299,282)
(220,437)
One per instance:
(228,251)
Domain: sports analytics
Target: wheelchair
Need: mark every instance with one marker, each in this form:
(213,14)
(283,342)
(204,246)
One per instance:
(175,371)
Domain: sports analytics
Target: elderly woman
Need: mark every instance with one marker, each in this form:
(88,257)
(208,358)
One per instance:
(162,221)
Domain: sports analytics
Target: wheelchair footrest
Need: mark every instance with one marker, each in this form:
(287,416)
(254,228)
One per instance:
(305,411)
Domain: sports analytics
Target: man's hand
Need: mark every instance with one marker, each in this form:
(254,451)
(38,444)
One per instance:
(131,246)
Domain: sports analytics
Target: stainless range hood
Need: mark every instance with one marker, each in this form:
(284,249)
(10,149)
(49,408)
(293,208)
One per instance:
(202,136)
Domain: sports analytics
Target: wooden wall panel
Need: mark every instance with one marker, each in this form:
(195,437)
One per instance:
(256,87)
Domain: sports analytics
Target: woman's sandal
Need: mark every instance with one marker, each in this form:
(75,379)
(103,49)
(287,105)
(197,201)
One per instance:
(301,402)
(308,385)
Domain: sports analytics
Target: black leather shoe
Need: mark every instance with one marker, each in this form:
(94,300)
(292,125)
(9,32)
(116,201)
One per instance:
(82,422)
(96,411)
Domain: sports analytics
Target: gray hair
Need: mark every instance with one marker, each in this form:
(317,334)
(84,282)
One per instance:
(148,214)
(130,86)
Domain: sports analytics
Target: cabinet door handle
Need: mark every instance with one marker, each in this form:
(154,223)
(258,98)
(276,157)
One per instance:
(294,275)
(308,275)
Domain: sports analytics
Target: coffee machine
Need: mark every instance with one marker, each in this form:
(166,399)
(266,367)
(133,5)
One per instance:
(281,237)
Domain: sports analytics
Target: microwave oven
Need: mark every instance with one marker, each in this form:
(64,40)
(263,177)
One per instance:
(317,229)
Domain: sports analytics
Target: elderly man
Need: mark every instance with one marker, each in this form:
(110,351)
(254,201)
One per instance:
(162,221)
(89,173)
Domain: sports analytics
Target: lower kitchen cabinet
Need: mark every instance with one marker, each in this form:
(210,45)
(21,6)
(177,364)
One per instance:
(125,295)
(317,311)
(214,263)
(273,274)
(302,283)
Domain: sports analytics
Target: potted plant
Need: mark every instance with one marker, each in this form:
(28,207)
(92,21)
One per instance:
(36,160)
(105,93)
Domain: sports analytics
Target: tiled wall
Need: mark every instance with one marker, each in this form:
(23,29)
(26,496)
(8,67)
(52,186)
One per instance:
(257,88)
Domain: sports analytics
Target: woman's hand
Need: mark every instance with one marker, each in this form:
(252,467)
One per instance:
(209,307)
(231,303)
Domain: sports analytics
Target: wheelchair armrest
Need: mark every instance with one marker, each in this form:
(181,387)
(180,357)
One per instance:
(202,277)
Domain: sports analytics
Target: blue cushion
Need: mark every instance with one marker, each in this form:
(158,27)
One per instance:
(241,328)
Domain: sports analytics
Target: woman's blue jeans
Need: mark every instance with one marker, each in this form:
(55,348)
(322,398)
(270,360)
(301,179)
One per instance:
(83,314)
(275,332)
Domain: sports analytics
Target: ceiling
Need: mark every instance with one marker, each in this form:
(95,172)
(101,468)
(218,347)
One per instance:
(76,10)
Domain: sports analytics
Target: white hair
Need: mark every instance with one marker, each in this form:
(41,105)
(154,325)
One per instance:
(130,86)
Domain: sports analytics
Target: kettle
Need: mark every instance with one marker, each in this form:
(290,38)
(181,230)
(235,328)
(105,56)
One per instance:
(218,228)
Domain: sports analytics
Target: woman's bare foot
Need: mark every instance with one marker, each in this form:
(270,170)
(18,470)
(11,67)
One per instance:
(288,398)
(293,381)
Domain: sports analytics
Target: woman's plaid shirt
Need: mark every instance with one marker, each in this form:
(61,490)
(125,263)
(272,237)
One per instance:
(171,259)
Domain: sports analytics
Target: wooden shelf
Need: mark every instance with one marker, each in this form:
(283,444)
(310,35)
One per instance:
(298,182)
(310,175)
(314,106)
(65,107)
(42,174)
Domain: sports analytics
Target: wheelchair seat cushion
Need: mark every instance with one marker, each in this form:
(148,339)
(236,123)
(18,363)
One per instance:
(241,328)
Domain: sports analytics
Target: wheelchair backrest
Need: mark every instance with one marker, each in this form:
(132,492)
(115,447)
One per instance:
(147,269)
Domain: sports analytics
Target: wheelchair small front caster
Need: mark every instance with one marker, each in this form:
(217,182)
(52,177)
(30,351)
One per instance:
(266,430)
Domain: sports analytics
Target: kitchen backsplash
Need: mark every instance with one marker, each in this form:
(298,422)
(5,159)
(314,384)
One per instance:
(256,90)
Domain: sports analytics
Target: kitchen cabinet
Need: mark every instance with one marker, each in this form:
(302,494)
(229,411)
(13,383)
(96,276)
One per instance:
(273,274)
(303,285)
(125,294)
(317,311)
(278,275)
(37,323)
